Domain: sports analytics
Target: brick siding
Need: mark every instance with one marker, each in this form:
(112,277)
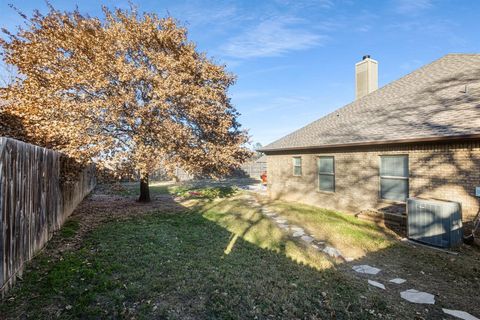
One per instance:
(448,171)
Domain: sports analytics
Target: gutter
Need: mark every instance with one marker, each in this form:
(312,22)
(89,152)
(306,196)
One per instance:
(468,137)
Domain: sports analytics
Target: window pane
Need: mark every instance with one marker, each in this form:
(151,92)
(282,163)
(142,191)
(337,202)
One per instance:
(394,189)
(325,164)
(297,161)
(395,166)
(297,170)
(327,182)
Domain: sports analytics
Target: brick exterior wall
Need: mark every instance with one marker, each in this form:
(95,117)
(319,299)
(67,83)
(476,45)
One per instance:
(448,171)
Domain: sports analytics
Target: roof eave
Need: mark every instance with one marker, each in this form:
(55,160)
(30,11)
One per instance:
(377,143)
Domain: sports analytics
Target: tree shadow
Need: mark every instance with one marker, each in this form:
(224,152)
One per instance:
(177,262)
(164,260)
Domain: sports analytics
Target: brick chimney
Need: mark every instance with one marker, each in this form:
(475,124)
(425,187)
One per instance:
(366,77)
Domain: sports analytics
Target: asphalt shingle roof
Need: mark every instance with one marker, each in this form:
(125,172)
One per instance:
(441,99)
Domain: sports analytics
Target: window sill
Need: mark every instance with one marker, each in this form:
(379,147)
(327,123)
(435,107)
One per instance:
(391,201)
(326,192)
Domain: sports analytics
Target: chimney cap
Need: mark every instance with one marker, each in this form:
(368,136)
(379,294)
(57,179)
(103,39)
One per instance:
(367,56)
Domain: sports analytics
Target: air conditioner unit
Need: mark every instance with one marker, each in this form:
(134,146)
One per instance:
(434,222)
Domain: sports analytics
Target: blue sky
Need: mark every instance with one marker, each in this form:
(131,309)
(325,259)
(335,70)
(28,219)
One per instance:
(295,59)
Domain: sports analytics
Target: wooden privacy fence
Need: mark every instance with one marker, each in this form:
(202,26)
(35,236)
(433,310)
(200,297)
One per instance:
(33,203)
(254,169)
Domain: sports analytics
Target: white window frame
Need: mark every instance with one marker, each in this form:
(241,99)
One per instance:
(297,166)
(319,174)
(407,178)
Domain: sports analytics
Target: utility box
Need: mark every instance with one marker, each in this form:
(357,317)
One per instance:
(434,222)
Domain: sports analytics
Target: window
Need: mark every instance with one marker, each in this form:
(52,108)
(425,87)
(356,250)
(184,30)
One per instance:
(297,166)
(326,174)
(394,177)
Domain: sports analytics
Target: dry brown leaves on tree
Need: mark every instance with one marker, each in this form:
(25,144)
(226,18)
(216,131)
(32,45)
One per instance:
(129,92)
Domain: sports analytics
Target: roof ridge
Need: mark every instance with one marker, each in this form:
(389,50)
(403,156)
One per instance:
(386,86)
(461,54)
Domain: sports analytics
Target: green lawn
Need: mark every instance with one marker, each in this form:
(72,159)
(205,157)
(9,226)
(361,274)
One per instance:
(180,190)
(133,189)
(189,266)
(354,237)
(219,259)
(176,267)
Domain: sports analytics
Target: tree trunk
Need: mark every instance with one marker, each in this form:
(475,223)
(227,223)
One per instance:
(144,190)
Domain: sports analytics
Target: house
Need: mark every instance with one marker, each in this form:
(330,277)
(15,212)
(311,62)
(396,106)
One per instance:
(255,167)
(418,136)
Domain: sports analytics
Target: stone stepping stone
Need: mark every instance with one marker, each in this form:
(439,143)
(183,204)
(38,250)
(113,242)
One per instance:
(416,296)
(280,220)
(297,234)
(349,259)
(283,226)
(320,244)
(398,280)
(364,268)
(332,252)
(270,214)
(376,284)
(314,246)
(460,314)
(295,228)
(307,239)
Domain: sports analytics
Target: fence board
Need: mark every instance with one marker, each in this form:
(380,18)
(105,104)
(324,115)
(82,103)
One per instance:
(254,169)
(33,203)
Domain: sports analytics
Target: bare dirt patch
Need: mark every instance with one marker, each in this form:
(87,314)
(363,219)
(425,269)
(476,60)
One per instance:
(103,206)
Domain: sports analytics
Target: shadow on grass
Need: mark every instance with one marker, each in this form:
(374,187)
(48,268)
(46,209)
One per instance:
(223,260)
(175,266)
(70,228)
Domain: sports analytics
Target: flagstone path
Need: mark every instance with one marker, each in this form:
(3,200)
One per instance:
(411,295)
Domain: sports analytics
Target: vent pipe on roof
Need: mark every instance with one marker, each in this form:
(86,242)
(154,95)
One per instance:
(366,76)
